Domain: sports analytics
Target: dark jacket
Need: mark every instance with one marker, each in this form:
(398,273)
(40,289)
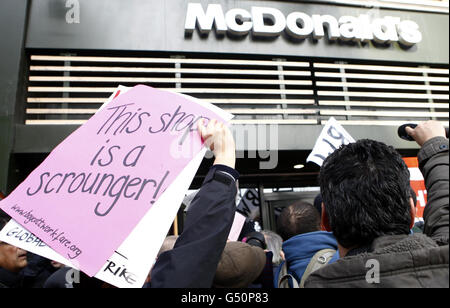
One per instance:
(38,270)
(10,280)
(299,250)
(419,260)
(193,261)
(33,275)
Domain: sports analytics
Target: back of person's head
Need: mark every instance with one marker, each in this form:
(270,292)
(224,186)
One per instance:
(274,243)
(366,189)
(298,218)
(239,266)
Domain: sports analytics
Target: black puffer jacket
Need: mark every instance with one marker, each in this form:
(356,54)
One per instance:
(193,261)
(404,261)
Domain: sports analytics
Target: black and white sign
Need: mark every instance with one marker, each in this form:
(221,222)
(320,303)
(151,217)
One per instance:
(331,138)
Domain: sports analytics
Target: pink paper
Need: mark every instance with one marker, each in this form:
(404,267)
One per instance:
(93,189)
(236,228)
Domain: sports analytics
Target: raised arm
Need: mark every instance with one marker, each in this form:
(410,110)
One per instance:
(433,162)
(193,261)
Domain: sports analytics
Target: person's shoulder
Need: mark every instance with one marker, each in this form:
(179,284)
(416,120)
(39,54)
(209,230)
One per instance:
(432,147)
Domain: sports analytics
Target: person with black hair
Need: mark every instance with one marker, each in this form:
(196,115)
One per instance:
(304,242)
(12,261)
(367,204)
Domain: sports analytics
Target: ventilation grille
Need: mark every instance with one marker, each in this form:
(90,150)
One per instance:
(68,89)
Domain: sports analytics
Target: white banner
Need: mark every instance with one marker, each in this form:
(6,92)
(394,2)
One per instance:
(331,138)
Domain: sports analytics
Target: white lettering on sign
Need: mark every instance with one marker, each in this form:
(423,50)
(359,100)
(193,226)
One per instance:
(271,22)
(421,201)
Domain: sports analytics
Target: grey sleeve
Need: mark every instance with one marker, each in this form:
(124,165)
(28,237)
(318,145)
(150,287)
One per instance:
(433,162)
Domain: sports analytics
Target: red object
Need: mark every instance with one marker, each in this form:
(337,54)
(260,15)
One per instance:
(417,184)
(117,94)
(2,195)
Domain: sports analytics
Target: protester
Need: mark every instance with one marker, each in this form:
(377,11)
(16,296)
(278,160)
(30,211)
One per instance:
(368,206)
(190,260)
(21,268)
(304,243)
(265,279)
(362,237)
(193,261)
(12,261)
(240,265)
(274,257)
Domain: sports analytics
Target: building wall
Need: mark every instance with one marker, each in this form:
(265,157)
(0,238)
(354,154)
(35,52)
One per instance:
(154,30)
(158,25)
(13,15)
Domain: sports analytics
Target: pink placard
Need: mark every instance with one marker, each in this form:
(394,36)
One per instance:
(93,189)
(236,228)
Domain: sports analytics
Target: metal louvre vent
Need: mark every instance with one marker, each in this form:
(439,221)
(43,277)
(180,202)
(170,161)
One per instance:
(68,89)
(382,95)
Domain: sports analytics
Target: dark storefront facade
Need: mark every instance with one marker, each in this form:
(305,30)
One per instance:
(267,62)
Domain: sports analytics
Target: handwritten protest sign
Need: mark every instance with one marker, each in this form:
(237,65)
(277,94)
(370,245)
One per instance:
(331,138)
(131,263)
(94,188)
(129,266)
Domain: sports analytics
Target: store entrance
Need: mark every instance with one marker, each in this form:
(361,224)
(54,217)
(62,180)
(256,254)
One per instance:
(263,205)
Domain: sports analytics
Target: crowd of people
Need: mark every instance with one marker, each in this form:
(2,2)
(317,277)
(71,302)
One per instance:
(360,231)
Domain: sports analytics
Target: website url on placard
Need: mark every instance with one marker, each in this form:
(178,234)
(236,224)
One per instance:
(55,234)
